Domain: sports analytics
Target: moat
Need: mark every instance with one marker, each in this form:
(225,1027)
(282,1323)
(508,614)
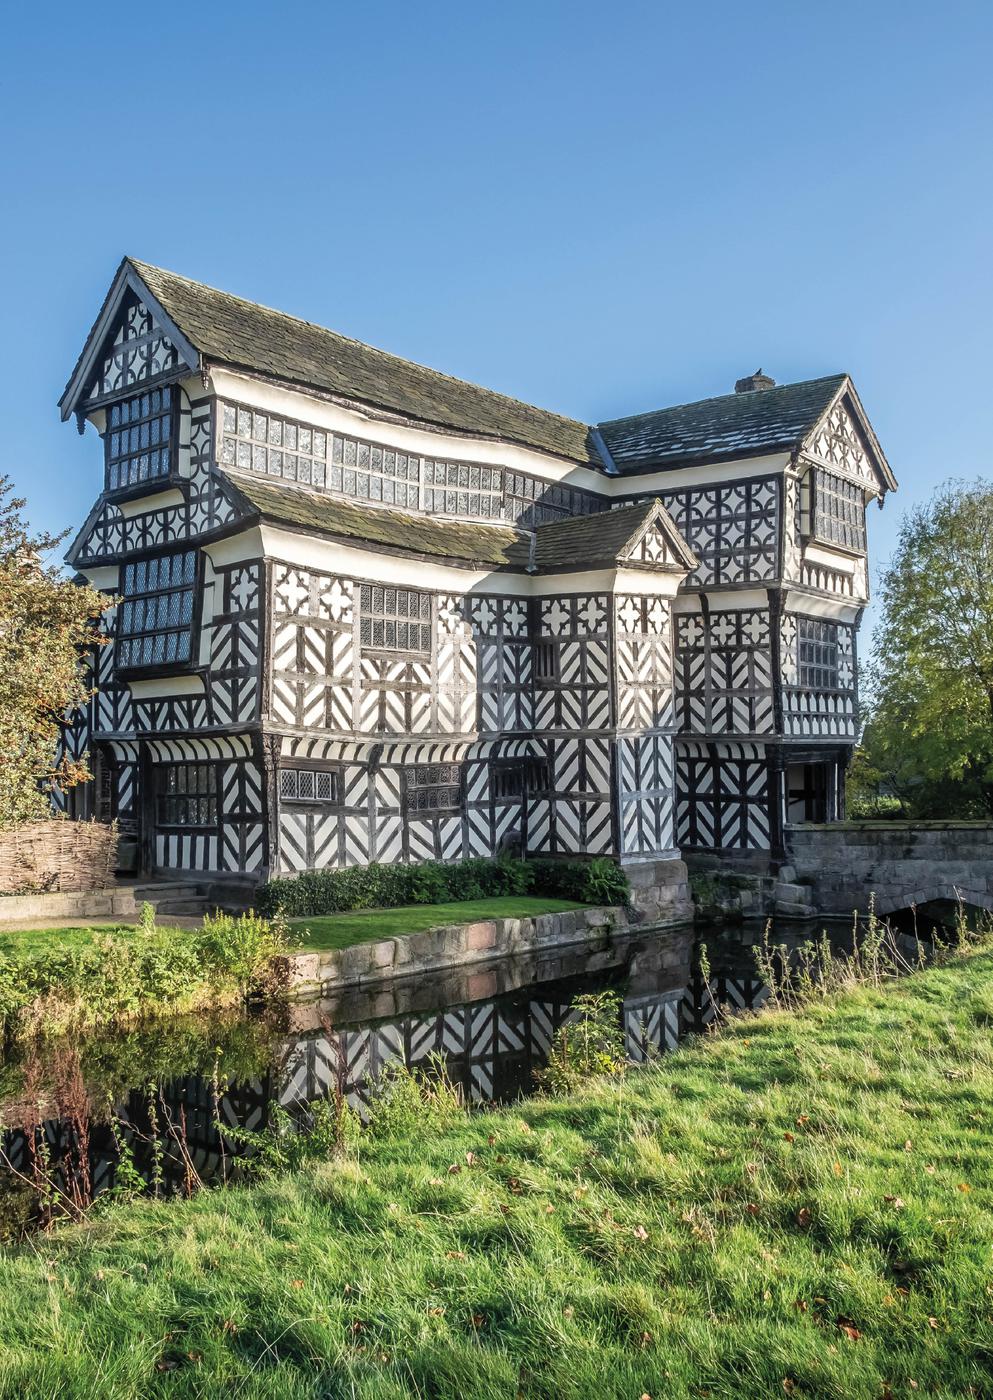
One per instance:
(161,1090)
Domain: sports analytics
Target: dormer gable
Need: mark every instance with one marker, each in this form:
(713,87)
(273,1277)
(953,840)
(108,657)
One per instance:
(641,536)
(658,543)
(133,345)
(843,440)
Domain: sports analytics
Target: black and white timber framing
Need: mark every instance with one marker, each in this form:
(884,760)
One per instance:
(370,613)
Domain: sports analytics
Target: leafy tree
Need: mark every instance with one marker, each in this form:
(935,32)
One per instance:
(929,737)
(47,626)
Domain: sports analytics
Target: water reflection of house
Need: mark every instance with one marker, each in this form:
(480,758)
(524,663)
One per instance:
(490,1045)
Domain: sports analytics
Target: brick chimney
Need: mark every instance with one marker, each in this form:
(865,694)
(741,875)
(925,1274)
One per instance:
(753,382)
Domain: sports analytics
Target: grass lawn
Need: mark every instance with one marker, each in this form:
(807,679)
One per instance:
(29,942)
(342,930)
(802,1205)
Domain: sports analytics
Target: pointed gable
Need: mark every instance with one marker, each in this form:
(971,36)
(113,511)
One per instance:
(844,440)
(133,344)
(641,535)
(137,352)
(659,544)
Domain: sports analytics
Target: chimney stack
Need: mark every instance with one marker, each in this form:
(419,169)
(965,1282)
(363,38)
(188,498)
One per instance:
(754,382)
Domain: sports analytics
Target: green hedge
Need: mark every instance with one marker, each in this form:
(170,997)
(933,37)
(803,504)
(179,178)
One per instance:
(874,809)
(588,881)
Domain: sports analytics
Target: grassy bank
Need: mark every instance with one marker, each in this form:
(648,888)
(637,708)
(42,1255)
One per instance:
(802,1205)
(342,930)
(76,979)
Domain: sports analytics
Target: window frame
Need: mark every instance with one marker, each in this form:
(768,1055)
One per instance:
(209,794)
(367,614)
(816,666)
(317,770)
(549,650)
(412,785)
(823,484)
(159,668)
(132,489)
(529,768)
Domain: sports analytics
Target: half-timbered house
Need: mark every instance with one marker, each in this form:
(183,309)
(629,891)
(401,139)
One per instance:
(369,612)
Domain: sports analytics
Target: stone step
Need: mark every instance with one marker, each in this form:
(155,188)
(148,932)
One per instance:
(791,894)
(180,889)
(187,908)
(783,910)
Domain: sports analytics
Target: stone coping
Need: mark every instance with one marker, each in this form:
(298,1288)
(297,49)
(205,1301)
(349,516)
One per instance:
(310,974)
(898,825)
(63,907)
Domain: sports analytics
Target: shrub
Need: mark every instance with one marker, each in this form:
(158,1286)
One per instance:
(874,809)
(240,946)
(586,1047)
(127,973)
(403,1101)
(318,892)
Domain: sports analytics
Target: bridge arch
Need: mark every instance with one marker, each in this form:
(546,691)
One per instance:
(901,864)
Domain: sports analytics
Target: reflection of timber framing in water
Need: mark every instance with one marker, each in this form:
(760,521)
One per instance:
(494,1029)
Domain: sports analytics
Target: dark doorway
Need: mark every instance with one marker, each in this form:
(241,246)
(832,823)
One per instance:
(810,792)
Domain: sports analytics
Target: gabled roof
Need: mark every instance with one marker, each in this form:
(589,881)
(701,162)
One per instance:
(608,537)
(721,429)
(208,327)
(495,546)
(226,330)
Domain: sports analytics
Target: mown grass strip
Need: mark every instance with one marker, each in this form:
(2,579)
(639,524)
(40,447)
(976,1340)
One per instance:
(360,926)
(801,1205)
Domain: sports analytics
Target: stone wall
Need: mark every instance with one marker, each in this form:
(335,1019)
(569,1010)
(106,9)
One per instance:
(414,954)
(899,863)
(660,891)
(115,903)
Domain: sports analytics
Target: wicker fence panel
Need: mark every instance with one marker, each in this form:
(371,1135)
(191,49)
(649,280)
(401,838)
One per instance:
(64,856)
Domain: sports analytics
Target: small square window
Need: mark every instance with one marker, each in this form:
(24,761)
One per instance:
(395,619)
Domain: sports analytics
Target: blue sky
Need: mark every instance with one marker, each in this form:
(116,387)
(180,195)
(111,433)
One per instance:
(597,208)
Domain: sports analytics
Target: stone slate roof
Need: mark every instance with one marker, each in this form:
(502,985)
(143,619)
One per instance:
(589,541)
(580,542)
(241,334)
(714,430)
(495,546)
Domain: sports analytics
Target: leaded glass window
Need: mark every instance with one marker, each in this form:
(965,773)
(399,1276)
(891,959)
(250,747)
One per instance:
(395,619)
(155,620)
(839,511)
(459,488)
(817,654)
(186,794)
(273,446)
(308,785)
(138,442)
(433,788)
(270,445)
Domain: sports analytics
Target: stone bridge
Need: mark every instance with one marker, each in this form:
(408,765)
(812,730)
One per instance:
(836,867)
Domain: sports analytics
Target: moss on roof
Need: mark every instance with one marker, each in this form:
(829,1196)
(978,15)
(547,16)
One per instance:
(589,541)
(495,546)
(720,429)
(580,542)
(231,331)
